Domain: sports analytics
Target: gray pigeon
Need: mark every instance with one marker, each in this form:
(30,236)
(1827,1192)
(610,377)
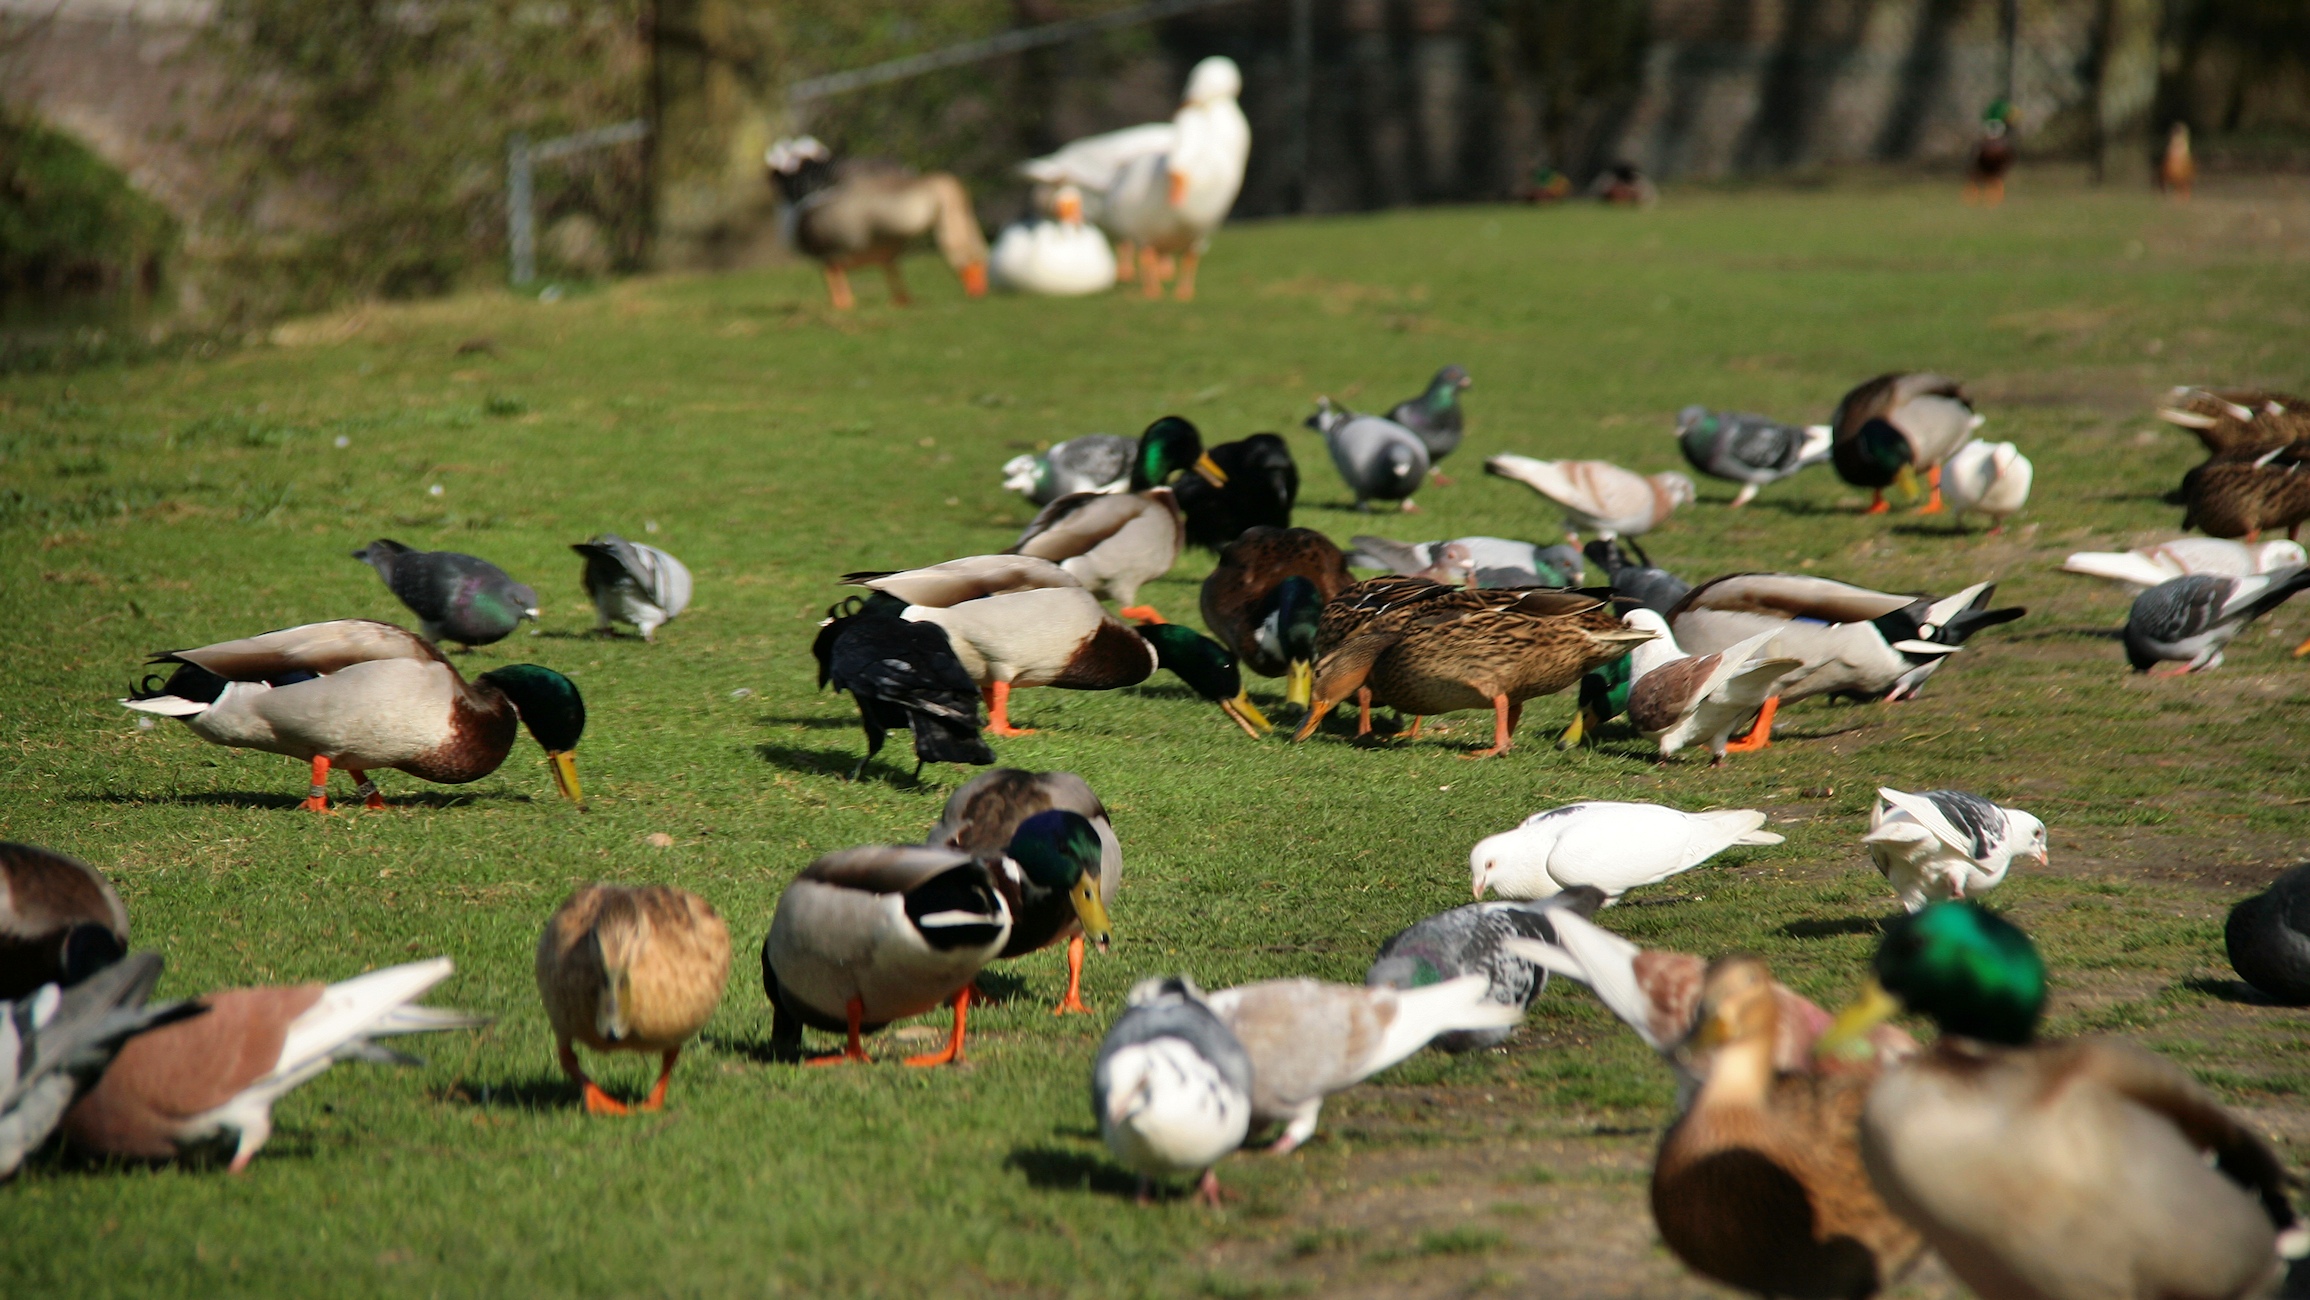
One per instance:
(56,1042)
(1379,459)
(2192,618)
(1748,449)
(1094,462)
(1466,941)
(1499,562)
(455,597)
(1647,587)
(1435,415)
(1172,1087)
(633,583)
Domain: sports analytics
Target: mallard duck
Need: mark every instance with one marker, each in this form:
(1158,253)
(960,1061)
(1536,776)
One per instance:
(1264,600)
(2235,420)
(1656,993)
(1047,905)
(1378,459)
(55,1043)
(1161,190)
(1058,258)
(630,969)
(1094,462)
(1171,1087)
(2241,494)
(1112,543)
(2192,620)
(1947,843)
(461,598)
(1991,477)
(1436,417)
(2177,171)
(1058,636)
(1759,1184)
(859,214)
(2076,1169)
(2147,566)
(1494,561)
(2268,938)
(1892,427)
(1472,650)
(1598,496)
(969,578)
(1603,697)
(208,1082)
(875,934)
(1308,1039)
(1467,941)
(1855,643)
(1608,846)
(1991,157)
(631,582)
(361,696)
(1642,586)
(61,921)
(1747,449)
(1676,698)
(903,676)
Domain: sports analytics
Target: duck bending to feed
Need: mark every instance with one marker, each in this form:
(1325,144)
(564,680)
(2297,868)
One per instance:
(1265,599)
(456,597)
(631,582)
(1058,258)
(1896,426)
(363,696)
(61,921)
(1171,1087)
(630,969)
(2072,1169)
(1054,895)
(904,677)
(1161,189)
(208,1083)
(853,214)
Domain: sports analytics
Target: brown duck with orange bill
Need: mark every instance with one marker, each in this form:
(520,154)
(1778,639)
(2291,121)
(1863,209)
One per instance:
(630,970)
(855,214)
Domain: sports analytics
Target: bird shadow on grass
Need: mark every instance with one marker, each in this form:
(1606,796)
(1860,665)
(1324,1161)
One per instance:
(1828,927)
(1922,529)
(2237,991)
(838,762)
(1058,1169)
(537,1093)
(1801,508)
(2068,632)
(761,1051)
(814,722)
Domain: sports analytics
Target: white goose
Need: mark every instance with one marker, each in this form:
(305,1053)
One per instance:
(1059,258)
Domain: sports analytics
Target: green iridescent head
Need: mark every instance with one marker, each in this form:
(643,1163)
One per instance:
(1298,613)
(1169,446)
(1973,972)
(549,703)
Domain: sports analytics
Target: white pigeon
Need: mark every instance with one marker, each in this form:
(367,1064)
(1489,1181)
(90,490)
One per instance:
(1171,1088)
(1939,844)
(2192,620)
(1675,699)
(1612,846)
(1990,477)
(1308,1039)
(1058,258)
(1598,496)
(2147,566)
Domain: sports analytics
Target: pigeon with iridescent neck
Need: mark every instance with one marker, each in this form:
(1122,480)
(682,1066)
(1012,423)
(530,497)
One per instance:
(456,597)
(1435,416)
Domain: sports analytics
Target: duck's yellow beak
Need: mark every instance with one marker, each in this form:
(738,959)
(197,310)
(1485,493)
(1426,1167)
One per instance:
(1247,715)
(1906,480)
(1585,724)
(1299,683)
(1847,1038)
(1090,911)
(565,777)
(1208,470)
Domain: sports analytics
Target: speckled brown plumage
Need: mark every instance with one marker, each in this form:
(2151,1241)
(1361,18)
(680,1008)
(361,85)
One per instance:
(59,919)
(1389,595)
(1760,1184)
(1237,594)
(636,969)
(2245,495)
(2234,420)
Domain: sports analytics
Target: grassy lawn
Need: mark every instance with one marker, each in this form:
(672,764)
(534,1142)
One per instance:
(775,446)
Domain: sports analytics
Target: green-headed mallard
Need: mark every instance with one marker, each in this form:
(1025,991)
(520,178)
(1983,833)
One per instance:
(1473,650)
(1266,596)
(362,695)
(630,969)
(1114,543)
(2065,1170)
(1047,904)
(1895,425)
(1759,1183)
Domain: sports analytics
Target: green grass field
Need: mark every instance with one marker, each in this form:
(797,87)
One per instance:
(775,446)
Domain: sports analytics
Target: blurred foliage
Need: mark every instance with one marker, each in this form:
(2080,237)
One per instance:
(367,156)
(69,221)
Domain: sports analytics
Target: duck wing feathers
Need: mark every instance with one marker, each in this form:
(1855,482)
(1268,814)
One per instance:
(317,648)
(943,586)
(1790,595)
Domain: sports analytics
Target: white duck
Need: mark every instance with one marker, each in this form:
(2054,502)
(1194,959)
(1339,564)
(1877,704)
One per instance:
(1059,258)
(1161,189)
(1991,477)
(1612,846)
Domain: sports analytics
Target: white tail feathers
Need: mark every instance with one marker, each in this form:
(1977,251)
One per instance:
(1423,1013)
(1598,958)
(357,1008)
(1742,825)
(167,706)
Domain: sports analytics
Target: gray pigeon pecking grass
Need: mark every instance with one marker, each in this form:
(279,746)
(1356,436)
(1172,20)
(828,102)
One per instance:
(1378,459)
(1172,1087)
(2190,620)
(1094,462)
(461,598)
(630,582)
(1467,941)
(1748,449)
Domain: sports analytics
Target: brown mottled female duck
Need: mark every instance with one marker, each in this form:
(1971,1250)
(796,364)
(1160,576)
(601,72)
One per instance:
(630,970)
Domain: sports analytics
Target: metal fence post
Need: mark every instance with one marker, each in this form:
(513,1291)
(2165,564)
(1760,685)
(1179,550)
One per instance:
(520,212)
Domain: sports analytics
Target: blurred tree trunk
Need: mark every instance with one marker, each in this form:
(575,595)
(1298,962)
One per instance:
(2125,87)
